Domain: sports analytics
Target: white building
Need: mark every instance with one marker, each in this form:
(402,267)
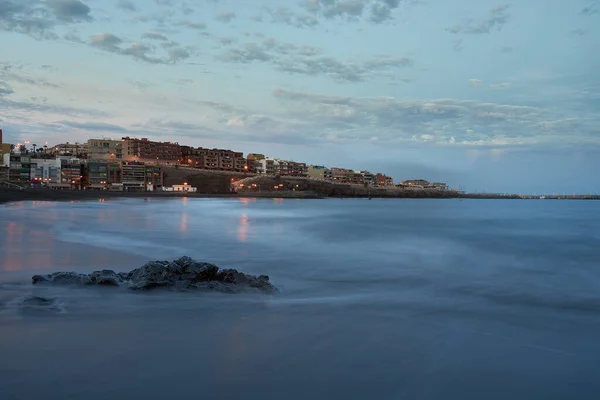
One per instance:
(184,188)
(45,171)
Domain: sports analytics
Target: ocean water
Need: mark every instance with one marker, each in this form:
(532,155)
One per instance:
(380,299)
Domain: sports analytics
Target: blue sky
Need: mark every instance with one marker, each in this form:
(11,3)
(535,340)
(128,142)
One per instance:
(486,95)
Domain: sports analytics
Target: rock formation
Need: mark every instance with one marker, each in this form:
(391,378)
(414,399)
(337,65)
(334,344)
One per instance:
(182,274)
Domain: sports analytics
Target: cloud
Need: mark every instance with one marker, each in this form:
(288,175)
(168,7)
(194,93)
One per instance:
(284,15)
(308,60)
(457,45)
(106,41)
(376,11)
(195,25)
(5,89)
(14,73)
(93,126)
(475,82)
(226,41)
(126,5)
(155,36)
(592,8)
(178,53)
(140,52)
(141,85)
(578,32)
(438,121)
(506,49)
(497,18)
(226,17)
(38,18)
(504,85)
(69,10)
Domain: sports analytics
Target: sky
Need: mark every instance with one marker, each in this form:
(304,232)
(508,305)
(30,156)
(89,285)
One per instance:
(487,95)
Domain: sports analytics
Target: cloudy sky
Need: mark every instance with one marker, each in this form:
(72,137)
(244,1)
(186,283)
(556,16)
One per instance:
(483,94)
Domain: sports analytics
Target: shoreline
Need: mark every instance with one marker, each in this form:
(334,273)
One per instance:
(12,195)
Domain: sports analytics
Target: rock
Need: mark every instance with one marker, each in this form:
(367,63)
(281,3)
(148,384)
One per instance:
(182,274)
(62,278)
(37,301)
(39,304)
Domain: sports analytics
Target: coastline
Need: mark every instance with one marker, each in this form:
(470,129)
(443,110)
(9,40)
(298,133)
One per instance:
(13,195)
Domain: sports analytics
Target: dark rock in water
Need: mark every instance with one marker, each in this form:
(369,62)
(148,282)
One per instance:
(37,301)
(106,277)
(39,304)
(62,278)
(181,274)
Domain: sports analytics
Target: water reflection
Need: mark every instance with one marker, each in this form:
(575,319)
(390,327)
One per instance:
(184,223)
(26,249)
(242,233)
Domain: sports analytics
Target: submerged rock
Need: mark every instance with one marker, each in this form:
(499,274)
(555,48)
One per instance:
(36,304)
(182,274)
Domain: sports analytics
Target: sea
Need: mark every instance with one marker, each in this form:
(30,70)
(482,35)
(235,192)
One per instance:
(379,299)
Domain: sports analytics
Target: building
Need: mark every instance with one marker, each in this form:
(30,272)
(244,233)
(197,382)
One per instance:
(44,171)
(145,150)
(19,167)
(138,176)
(253,162)
(71,171)
(369,178)
(128,176)
(296,169)
(4,147)
(182,188)
(319,172)
(418,183)
(439,186)
(70,149)
(97,174)
(340,175)
(208,159)
(384,180)
(105,150)
(220,160)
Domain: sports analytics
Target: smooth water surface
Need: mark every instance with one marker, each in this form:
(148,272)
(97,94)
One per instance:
(380,299)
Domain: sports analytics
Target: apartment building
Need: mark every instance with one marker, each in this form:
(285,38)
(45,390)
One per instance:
(253,162)
(4,147)
(319,172)
(127,175)
(418,183)
(296,169)
(208,158)
(341,175)
(71,171)
(384,180)
(72,149)
(97,174)
(105,150)
(150,151)
(141,177)
(368,178)
(19,167)
(221,160)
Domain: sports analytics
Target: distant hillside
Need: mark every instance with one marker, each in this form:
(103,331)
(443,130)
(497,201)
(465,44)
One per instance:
(206,181)
(329,189)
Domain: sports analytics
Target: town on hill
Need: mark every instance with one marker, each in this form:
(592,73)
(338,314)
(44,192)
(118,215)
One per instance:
(141,165)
